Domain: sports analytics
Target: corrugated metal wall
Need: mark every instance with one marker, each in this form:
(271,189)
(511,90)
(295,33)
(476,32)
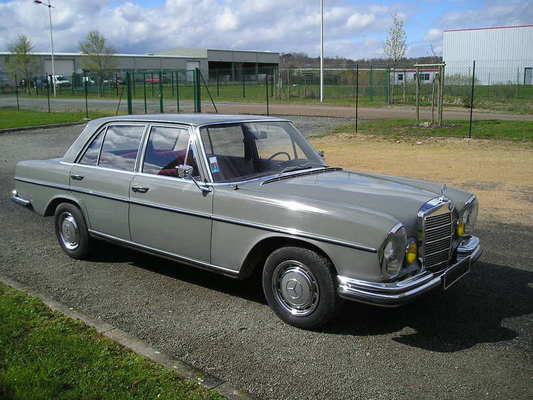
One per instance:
(502,54)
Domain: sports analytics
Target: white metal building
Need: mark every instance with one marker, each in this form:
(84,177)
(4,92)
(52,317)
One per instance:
(226,64)
(503,54)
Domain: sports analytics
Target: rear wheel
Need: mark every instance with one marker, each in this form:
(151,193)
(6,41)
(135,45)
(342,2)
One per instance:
(300,287)
(71,231)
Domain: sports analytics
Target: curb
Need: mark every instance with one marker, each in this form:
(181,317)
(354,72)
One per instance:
(49,126)
(181,368)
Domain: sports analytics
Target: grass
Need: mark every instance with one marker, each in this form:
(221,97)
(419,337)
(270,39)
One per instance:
(45,355)
(10,118)
(489,129)
(494,170)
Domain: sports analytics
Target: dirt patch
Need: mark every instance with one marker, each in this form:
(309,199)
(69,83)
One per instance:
(498,172)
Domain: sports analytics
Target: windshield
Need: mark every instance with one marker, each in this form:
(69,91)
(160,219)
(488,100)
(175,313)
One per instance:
(247,150)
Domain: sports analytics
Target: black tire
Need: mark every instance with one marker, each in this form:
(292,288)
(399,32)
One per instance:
(72,235)
(299,275)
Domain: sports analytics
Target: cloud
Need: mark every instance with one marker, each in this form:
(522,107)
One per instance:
(276,25)
(228,21)
(360,21)
(352,29)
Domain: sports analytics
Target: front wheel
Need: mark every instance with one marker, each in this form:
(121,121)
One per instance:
(71,231)
(300,287)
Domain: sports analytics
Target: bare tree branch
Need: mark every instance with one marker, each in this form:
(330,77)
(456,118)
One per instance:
(395,45)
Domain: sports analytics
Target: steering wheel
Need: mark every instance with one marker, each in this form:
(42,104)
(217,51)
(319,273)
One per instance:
(279,153)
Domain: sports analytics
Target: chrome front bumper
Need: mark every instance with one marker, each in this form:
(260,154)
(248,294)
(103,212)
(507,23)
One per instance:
(19,200)
(393,294)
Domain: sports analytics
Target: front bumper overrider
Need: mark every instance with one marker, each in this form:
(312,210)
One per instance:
(393,294)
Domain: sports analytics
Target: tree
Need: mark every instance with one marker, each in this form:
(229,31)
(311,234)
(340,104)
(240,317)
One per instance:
(20,62)
(97,55)
(395,45)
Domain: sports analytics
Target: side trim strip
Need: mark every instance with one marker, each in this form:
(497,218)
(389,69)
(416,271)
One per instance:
(294,232)
(270,228)
(172,209)
(174,257)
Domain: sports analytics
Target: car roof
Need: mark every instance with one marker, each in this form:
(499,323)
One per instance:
(189,119)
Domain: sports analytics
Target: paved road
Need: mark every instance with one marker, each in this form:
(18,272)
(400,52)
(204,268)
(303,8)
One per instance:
(365,113)
(473,342)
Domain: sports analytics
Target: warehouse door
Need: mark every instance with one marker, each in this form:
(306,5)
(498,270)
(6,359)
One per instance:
(528,76)
(191,66)
(62,67)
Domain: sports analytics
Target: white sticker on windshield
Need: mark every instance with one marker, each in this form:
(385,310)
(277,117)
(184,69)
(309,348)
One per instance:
(213,164)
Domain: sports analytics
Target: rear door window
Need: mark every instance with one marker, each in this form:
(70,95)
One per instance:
(121,147)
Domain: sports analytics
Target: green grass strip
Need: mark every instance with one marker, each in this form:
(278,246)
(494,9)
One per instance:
(45,355)
(483,129)
(10,118)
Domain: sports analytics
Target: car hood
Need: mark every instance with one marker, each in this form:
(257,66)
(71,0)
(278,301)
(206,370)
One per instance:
(397,197)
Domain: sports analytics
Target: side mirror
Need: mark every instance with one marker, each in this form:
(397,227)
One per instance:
(321,153)
(184,171)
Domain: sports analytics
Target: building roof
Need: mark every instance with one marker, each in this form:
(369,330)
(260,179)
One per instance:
(488,28)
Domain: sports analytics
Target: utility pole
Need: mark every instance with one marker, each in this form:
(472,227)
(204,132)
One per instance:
(321,51)
(49,5)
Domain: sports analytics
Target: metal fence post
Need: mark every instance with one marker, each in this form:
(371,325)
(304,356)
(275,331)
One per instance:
(48,91)
(17,92)
(130,105)
(266,92)
(197,91)
(472,98)
(172,84)
(161,107)
(417,77)
(144,92)
(116,82)
(218,83)
(356,95)
(177,92)
(387,86)
(86,92)
(371,82)
(441,95)
(152,83)
(243,86)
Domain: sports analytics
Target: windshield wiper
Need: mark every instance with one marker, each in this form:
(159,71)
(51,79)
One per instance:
(299,167)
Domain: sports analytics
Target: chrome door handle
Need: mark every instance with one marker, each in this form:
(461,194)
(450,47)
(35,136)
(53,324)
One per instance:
(140,189)
(77,177)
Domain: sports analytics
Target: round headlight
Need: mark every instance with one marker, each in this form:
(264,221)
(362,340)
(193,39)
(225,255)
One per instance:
(393,251)
(469,216)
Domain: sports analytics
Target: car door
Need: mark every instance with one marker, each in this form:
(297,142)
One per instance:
(102,176)
(168,213)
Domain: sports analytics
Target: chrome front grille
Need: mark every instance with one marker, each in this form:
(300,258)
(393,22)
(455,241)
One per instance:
(437,237)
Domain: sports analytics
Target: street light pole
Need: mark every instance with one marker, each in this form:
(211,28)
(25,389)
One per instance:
(321,51)
(49,5)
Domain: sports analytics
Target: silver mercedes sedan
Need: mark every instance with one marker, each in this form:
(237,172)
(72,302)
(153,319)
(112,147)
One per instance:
(248,196)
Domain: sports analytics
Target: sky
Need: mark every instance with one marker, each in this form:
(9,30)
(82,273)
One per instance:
(353,28)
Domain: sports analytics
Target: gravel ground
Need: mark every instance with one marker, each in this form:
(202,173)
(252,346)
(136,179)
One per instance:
(475,341)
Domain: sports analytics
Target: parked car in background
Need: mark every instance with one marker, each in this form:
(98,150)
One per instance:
(59,80)
(113,82)
(248,196)
(88,79)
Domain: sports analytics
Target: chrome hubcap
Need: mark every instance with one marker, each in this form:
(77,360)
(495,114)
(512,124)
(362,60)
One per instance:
(295,288)
(69,232)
